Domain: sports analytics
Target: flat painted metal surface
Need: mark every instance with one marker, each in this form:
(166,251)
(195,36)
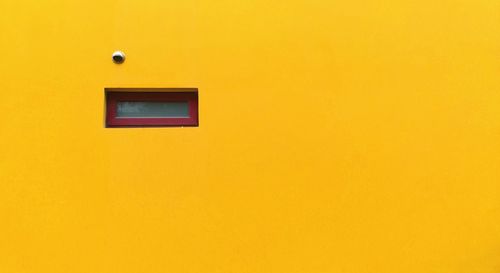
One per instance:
(335,136)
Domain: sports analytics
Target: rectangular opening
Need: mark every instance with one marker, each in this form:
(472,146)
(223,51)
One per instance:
(148,109)
(151,107)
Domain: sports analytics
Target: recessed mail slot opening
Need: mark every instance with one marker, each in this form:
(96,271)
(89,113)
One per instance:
(151,107)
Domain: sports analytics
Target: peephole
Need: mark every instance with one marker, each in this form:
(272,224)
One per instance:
(118,57)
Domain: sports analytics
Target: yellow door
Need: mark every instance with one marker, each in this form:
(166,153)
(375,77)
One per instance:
(334,136)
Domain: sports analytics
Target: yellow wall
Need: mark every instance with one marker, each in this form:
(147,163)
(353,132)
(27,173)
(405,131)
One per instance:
(335,136)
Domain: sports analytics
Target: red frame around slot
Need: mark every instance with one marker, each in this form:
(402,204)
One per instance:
(112,97)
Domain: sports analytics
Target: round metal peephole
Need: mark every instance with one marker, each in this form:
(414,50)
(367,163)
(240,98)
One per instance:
(118,57)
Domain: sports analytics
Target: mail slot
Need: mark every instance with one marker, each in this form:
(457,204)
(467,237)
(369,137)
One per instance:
(139,108)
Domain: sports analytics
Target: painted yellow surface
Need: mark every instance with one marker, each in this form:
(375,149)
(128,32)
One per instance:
(335,136)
